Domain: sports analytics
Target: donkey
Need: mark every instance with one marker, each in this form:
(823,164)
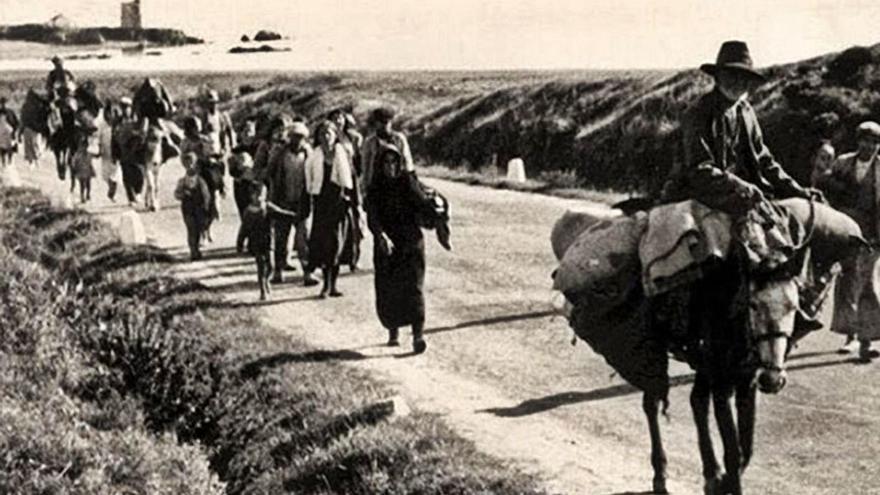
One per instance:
(733,358)
(740,348)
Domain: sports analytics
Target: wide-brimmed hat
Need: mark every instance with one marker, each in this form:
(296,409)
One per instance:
(126,101)
(212,96)
(733,55)
(299,129)
(870,129)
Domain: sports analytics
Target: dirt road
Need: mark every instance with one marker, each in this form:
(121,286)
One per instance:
(502,371)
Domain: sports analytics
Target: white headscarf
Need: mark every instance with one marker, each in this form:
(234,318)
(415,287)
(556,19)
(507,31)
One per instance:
(341,173)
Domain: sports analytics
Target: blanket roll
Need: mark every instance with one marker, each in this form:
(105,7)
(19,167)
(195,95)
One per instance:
(602,265)
(836,236)
(573,223)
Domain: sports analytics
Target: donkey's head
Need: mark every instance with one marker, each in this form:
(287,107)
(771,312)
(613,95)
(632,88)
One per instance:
(772,313)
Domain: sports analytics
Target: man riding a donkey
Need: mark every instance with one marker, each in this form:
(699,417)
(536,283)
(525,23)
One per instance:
(722,274)
(728,168)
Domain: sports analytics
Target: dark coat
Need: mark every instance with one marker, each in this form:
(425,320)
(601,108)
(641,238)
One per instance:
(725,159)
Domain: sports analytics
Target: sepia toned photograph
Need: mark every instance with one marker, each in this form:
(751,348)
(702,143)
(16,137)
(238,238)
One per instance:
(439,247)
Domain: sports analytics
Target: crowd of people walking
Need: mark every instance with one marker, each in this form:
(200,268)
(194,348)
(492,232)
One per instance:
(317,187)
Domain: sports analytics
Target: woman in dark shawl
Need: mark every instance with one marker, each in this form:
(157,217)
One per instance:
(397,205)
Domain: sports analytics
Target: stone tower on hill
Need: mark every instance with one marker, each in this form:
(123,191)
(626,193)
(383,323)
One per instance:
(131,15)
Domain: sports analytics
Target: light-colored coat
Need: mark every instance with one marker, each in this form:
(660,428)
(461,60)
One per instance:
(857,308)
(341,173)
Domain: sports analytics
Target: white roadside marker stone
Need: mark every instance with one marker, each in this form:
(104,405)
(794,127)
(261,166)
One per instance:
(131,228)
(516,170)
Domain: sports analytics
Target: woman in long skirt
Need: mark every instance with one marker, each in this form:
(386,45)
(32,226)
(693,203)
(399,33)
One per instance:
(394,202)
(351,140)
(330,183)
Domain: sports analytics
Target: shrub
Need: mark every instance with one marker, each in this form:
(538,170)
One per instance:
(847,67)
(160,355)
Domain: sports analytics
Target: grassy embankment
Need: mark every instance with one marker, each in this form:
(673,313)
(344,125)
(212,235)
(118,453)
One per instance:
(119,378)
(590,130)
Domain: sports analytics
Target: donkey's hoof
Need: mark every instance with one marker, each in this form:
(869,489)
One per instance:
(730,485)
(660,486)
(713,486)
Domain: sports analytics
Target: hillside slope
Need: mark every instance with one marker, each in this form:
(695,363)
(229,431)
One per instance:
(616,130)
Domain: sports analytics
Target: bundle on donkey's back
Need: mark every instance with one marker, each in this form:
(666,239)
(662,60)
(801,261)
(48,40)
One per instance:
(712,275)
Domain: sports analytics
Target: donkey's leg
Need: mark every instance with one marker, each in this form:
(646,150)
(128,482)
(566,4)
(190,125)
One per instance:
(700,395)
(651,406)
(745,417)
(722,398)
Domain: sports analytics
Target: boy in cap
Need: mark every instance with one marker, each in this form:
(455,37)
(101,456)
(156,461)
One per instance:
(194,196)
(852,186)
(286,179)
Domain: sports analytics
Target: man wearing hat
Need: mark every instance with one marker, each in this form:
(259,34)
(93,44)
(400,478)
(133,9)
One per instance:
(853,186)
(286,179)
(59,80)
(726,163)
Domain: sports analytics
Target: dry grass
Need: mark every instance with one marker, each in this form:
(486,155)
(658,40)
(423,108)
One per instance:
(152,358)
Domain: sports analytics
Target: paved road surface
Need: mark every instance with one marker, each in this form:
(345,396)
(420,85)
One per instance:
(502,371)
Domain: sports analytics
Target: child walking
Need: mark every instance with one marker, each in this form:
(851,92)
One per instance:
(194,196)
(256,231)
(85,158)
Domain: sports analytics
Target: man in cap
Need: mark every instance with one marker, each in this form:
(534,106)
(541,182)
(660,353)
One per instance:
(286,180)
(853,186)
(217,125)
(381,123)
(60,80)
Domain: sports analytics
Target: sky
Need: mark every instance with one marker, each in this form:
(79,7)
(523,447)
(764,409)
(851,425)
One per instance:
(497,34)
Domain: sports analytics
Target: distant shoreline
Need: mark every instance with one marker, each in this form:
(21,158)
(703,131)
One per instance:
(96,35)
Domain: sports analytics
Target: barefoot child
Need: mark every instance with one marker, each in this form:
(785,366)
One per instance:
(84,161)
(256,230)
(194,196)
